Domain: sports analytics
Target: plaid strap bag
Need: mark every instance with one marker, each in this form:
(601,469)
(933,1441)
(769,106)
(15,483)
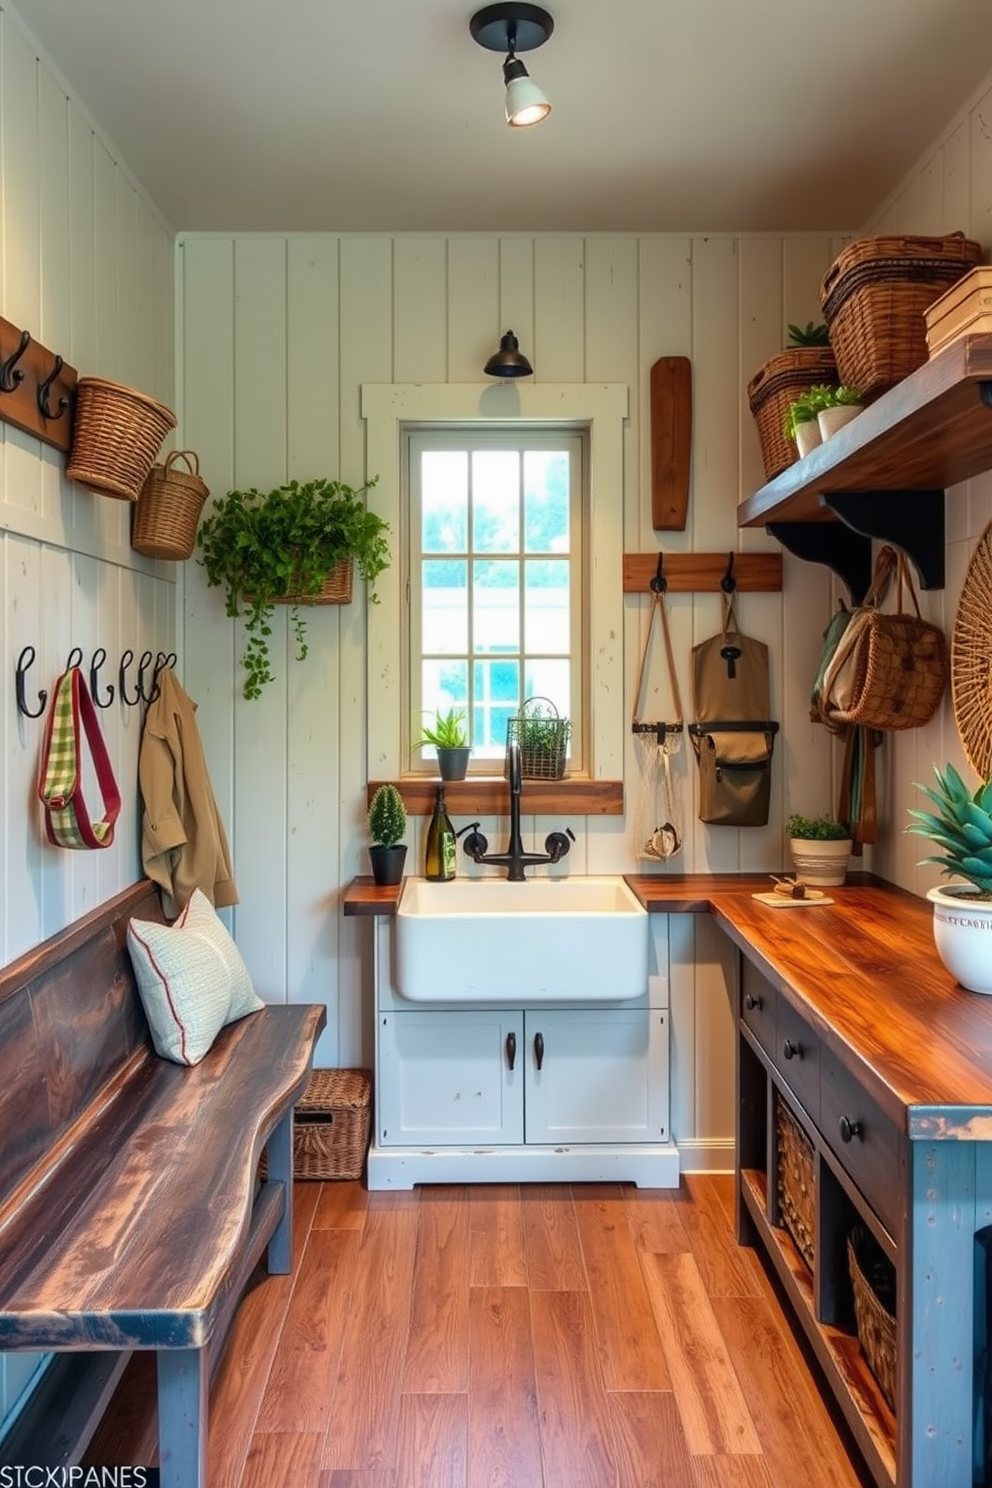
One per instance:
(60,777)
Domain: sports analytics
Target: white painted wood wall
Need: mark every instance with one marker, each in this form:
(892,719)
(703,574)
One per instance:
(87,268)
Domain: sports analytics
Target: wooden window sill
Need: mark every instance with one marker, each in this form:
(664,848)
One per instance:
(488,795)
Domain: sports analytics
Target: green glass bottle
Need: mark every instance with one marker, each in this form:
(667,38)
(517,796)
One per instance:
(439,856)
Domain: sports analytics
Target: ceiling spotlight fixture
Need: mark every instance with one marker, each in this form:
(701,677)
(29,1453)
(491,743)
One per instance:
(510,27)
(509,361)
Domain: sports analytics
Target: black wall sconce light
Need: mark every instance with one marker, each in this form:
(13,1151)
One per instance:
(509,361)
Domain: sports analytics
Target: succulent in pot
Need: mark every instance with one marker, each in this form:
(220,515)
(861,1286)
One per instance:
(961,827)
(449,737)
(386,824)
(820,848)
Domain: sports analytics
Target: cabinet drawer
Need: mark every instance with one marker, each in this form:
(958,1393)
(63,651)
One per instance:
(797,1057)
(758,999)
(870,1153)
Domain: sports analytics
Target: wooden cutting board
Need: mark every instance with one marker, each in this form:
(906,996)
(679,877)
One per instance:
(671,442)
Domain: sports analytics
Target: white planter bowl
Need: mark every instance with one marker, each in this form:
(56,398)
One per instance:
(821,864)
(832,419)
(962,933)
(808,436)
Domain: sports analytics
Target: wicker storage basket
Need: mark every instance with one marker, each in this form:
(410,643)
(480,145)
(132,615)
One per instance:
(331,1124)
(777,384)
(874,297)
(165,515)
(116,434)
(335,590)
(795,1180)
(543,739)
(873,1280)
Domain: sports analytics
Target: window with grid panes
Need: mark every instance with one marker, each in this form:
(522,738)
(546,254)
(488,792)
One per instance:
(495,583)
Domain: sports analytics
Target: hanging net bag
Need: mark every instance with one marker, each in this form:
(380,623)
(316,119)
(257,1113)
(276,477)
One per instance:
(659,751)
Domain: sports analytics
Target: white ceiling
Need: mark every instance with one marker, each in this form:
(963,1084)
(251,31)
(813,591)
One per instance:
(384,115)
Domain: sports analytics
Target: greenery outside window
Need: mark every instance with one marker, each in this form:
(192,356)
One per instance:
(495,580)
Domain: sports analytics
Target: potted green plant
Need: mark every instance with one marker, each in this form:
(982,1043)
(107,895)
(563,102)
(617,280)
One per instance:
(801,422)
(387,823)
(820,848)
(292,545)
(961,827)
(449,737)
(840,405)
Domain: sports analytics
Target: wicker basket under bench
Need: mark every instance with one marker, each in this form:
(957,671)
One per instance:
(331,1125)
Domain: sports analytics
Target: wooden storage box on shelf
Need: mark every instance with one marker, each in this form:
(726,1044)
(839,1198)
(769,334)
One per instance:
(331,1125)
(965,310)
(795,1180)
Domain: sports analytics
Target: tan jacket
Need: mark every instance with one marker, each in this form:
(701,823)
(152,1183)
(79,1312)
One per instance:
(183,842)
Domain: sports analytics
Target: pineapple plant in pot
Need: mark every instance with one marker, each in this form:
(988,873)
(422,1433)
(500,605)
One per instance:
(448,736)
(961,827)
(387,823)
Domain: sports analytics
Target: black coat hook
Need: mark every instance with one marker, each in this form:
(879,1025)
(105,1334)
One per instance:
(162,660)
(75,658)
(728,583)
(43,390)
(143,665)
(129,702)
(659,583)
(25,660)
(96,662)
(10,373)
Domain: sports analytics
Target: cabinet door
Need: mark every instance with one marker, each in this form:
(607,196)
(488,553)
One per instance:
(445,1078)
(603,1075)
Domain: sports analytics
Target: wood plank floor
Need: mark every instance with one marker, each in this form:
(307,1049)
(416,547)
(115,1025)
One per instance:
(533,1336)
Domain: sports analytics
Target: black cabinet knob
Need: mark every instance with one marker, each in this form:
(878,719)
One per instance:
(511,1049)
(791,1050)
(849,1129)
(539,1049)
(751,1002)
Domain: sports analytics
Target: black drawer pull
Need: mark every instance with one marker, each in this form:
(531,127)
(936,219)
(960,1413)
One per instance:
(539,1049)
(791,1050)
(511,1049)
(752,1003)
(849,1129)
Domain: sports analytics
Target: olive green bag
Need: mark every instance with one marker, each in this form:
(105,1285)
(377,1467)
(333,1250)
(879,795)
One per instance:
(732,735)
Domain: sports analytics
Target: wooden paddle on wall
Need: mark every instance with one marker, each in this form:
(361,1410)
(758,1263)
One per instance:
(671,442)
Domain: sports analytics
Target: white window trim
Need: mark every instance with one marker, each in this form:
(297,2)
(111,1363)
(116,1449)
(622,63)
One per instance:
(599,407)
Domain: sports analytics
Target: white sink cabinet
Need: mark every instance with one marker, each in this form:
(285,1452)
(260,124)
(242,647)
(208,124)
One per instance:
(460,1096)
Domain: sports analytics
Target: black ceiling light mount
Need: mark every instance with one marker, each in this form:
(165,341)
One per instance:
(509,361)
(512,27)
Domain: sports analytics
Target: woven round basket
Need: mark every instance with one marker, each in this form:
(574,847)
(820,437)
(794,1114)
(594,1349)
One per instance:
(168,509)
(778,383)
(116,434)
(335,590)
(971,659)
(874,297)
(871,1275)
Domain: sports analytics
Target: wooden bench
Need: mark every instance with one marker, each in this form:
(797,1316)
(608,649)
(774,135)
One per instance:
(131,1216)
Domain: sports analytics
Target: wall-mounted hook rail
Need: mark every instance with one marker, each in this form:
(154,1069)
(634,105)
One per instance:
(729,583)
(37,387)
(129,702)
(44,408)
(688,573)
(24,661)
(10,373)
(96,662)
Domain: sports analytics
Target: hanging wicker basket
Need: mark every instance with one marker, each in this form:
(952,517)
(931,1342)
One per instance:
(116,434)
(782,380)
(874,298)
(168,509)
(335,590)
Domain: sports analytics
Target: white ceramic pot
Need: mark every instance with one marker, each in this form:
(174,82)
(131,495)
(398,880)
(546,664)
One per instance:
(808,436)
(821,864)
(962,933)
(830,420)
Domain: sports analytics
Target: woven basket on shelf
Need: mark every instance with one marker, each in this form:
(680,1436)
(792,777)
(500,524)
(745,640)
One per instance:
(873,1280)
(116,434)
(166,513)
(874,297)
(795,1181)
(331,1125)
(335,590)
(778,383)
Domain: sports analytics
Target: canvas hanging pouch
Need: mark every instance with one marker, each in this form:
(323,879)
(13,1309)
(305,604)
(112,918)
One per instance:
(71,718)
(733,736)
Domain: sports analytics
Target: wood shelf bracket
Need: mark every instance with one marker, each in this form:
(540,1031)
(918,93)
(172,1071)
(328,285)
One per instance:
(910,520)
(838,547)
(37,388)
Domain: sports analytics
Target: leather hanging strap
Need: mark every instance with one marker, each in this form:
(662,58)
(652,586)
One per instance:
(60,785)
(658,606)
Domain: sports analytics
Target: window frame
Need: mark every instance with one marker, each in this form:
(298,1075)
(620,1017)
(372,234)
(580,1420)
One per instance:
(601,409)
(574,439)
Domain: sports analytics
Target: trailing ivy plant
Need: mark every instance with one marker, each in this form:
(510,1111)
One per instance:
(263,548)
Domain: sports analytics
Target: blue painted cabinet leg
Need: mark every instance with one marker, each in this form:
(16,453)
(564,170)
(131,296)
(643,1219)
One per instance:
(279,1154)
(183,1386)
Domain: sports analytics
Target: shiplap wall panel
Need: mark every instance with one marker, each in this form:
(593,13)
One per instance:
(474,326)
(516,289)
(22,217)
(420,333)
(560,309)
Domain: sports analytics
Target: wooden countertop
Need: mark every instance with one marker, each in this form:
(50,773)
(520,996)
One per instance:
(865,973)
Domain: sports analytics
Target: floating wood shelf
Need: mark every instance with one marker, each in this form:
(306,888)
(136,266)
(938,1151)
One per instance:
(884,474)
(689,573)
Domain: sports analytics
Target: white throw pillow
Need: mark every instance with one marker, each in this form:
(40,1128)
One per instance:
(191,980)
